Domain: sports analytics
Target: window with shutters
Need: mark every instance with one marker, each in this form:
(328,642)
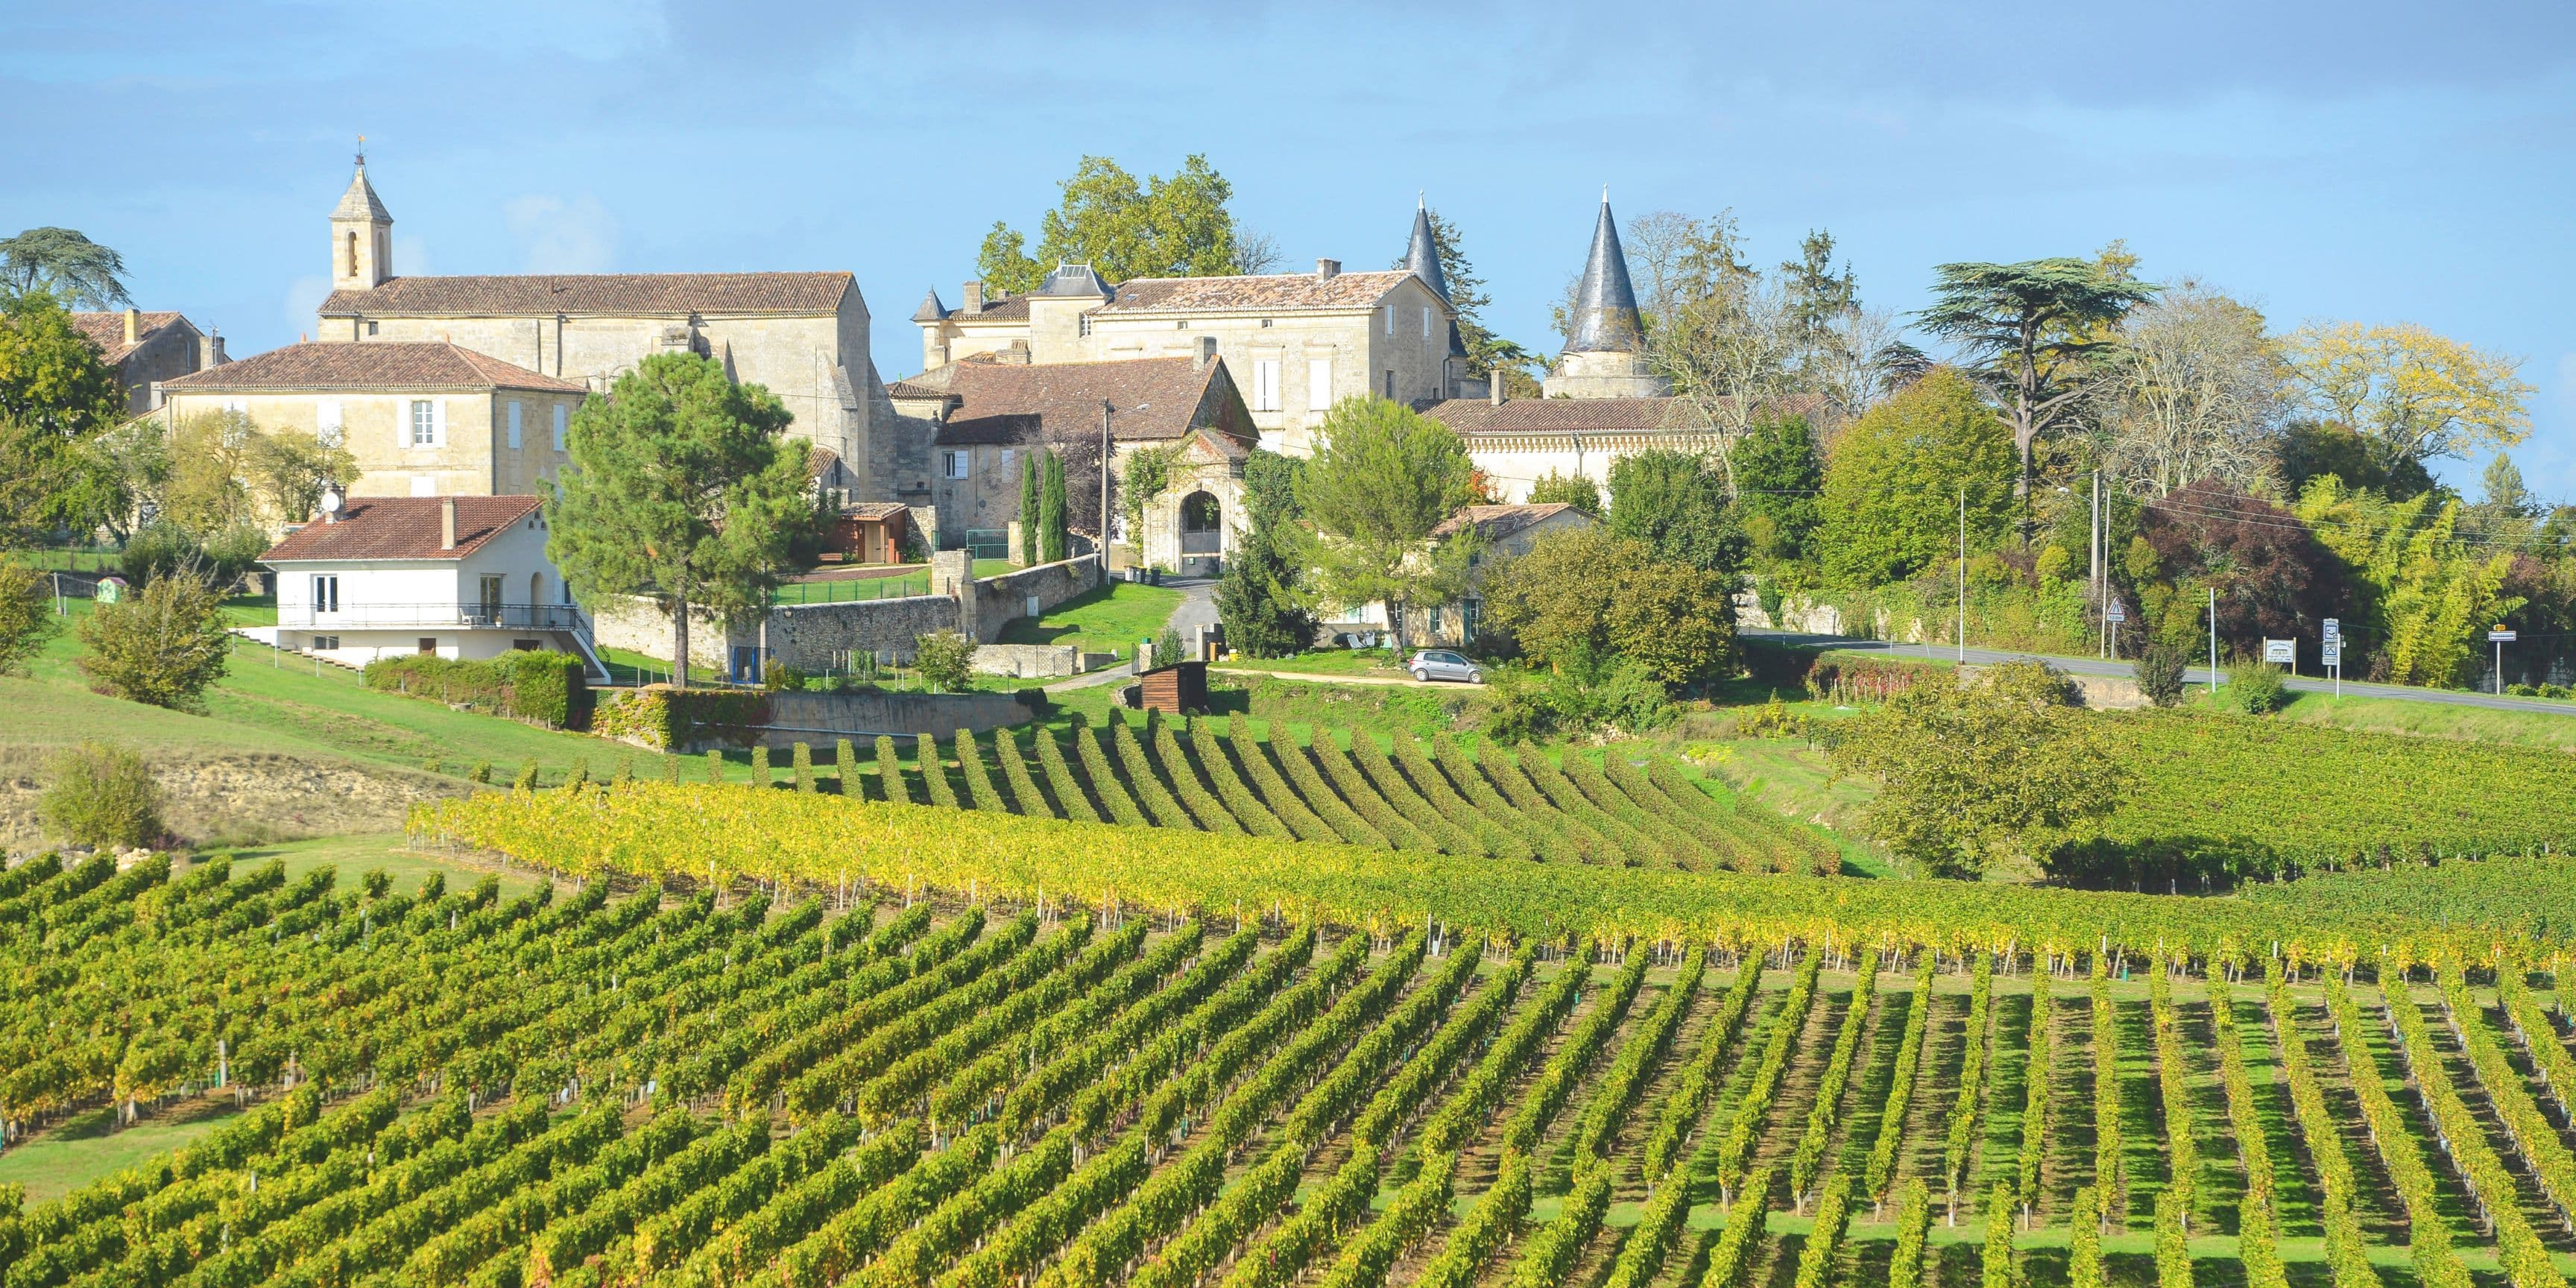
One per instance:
(1319,383)
(515,411)
(953,464)
(1265,384)
(563,421)
(424,423)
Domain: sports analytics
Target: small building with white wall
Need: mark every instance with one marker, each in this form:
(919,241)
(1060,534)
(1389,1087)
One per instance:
(461,577)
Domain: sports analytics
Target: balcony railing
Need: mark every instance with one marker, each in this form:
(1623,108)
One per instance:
(516,617)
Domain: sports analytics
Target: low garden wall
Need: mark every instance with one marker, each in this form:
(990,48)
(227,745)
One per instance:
(668,719)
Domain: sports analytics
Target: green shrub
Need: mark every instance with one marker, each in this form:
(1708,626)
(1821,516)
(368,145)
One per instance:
(760,766)
(544,687)
(26,616)
(527,778)
(102,796)
(1168,648)
(580,772)
(946,661)
(625,773)
(845,758)
(2159,673)
(801,762)
(2256,688)
(165,646)
(482,772)
(671,770)
(715,765)
(165,549)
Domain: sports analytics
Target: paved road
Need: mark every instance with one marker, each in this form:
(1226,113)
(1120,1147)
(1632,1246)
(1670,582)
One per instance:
(2193,675)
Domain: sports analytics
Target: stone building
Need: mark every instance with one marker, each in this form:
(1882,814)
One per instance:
(803,336)
(1602,400)
(1295,342)
(982,415)
(147,348)
(422,418)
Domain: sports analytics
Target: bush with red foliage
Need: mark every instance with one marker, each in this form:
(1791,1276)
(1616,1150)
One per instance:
(2274,578)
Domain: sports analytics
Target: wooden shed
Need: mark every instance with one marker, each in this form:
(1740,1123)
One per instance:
(1180,688)
(871,532)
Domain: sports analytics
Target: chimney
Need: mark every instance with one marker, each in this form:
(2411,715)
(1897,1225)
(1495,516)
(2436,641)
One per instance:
(971,298)
(1205,355)
(133,326)
(1327,269)
(1494,386)
(447,523)
(212,352)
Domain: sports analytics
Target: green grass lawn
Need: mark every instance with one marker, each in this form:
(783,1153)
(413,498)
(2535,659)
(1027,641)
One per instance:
(1339,661)
(272,702)
(1112,617)
(2434,720)
(80,1151)
(351,856)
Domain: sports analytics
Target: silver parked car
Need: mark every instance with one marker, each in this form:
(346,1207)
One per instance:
(1441,664)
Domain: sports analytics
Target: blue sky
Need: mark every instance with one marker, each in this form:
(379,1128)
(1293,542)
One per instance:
(2353,160)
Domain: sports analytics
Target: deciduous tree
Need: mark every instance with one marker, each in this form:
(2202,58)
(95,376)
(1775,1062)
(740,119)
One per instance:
(1381,479)
(2414,394)
(57,395)
(1677,505)
(164,646)
(1584,596)
(681,490)
(1967,771)
(1892,486)
(26,616)
(2194,391)
(1577,490)
(1175,225)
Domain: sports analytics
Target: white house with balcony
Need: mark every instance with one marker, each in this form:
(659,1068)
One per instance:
(461,577)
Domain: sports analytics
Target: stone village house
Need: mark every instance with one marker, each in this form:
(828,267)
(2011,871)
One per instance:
(804,336)
(985,414)
(144,349)
(421,418)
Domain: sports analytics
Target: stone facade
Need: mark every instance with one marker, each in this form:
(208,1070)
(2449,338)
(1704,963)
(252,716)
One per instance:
(148,348)
(1297,343)
(803,336)
(489,429)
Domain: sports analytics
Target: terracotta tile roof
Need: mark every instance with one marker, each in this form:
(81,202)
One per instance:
(1014,309)
(1149,398)
(1566,415)
(874,510)
(1499,521)
(1276,292)
(653,294)
(404,527)
(107,331)
(368,364)
(913,389)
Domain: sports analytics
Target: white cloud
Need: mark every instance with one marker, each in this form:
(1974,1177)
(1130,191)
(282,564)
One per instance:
(411,257)
(559,236)
(303,296)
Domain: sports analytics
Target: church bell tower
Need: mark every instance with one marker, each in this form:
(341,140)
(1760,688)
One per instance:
(362,236)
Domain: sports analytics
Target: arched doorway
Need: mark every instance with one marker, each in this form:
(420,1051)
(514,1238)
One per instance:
(1202,530)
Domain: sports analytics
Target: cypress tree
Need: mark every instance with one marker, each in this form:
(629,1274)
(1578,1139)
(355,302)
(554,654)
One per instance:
(1051,518)
(1031,502)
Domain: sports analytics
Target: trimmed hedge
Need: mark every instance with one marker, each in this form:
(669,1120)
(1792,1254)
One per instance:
(543,687)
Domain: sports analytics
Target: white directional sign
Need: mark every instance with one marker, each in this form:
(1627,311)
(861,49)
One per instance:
(2500,637)
(2333,653)
(2281,652)
(2334,628)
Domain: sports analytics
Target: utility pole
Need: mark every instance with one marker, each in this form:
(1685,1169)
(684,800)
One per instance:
(1104,490)
(1963,574)
(2093,552)
(2213,646)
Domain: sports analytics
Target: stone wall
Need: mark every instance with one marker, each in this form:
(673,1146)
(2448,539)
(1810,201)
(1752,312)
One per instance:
(816,719)
(1028,661)
(1027,593)
(816,637)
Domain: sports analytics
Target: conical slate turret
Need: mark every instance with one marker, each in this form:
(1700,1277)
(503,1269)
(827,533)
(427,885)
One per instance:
(1422,258)
(1605,305)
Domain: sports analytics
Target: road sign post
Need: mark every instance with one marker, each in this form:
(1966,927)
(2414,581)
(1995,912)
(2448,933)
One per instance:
(2332,654)
(2113,616)
(2500,637)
